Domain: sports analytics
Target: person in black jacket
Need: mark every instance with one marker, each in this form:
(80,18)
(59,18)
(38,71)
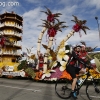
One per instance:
(72,69)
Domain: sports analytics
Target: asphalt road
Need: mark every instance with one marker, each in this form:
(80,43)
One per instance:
(17,89)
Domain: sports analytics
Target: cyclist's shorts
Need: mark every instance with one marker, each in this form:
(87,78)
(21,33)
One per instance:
(73,71)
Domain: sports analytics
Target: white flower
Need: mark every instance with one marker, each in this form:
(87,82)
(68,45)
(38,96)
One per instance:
(53,79)
(62,55)
(63,65)
(22,73)
(47,73)
(67,51)
(66,57)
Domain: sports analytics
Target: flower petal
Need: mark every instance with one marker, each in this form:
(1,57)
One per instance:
(63,63)
(43,76)
(61,50)
(22,73)
(59,58)
(53,79)
(48,74)
(66,58)
(54,65)
(62,68)
(67,51)
(52,71)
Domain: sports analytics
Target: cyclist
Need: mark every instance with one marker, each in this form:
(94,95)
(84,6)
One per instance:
(80,53)
(72,69)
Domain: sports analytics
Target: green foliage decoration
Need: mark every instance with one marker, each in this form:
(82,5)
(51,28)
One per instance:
(23,65)
(30,72)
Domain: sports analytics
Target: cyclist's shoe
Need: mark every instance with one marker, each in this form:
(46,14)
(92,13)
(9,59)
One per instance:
(74,95)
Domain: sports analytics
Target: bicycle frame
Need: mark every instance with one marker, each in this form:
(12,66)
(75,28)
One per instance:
(87,76)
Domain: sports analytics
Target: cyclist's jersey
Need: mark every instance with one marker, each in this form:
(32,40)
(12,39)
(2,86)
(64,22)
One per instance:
(74,57)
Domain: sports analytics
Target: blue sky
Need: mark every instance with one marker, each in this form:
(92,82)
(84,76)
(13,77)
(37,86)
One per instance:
(32,15)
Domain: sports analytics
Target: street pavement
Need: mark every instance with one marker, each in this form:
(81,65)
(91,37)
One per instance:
(22,89)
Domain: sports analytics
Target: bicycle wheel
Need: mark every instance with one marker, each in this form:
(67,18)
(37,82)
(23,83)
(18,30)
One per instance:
(63,88)
(93,90)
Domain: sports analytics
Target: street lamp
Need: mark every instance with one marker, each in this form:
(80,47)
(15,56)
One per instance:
(98,26)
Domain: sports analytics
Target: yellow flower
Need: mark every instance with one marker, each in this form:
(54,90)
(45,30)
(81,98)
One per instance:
(54,64)
(62,44)
(62,54)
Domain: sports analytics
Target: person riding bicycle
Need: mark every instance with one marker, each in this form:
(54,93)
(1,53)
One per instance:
(72,69)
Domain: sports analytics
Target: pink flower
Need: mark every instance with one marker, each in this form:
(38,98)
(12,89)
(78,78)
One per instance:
(2,42)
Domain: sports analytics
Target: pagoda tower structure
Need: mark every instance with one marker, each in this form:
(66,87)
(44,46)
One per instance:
(11,26)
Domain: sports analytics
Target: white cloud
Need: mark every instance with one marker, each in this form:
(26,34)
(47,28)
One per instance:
(31,32)
(93,3)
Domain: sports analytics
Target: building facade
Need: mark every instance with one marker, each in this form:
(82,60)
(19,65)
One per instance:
(11,27)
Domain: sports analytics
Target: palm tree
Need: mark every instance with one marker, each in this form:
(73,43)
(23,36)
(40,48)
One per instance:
(49,24)
(50,19)
(52,31)
(79,25)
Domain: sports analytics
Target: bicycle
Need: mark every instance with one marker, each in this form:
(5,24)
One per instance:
(63,87)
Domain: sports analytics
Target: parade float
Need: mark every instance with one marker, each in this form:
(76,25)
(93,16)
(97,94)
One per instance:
(49,66)
(58,66)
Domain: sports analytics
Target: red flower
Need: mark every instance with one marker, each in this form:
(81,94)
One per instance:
(52,32)
(76,28)
(50,17)
(2,42)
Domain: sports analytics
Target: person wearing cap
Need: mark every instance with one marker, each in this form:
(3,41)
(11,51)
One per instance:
(83,52)
(83,55)
(72,69)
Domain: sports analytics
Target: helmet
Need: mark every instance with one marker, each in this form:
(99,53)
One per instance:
(83,46)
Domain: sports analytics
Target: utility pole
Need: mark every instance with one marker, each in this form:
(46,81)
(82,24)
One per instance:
(98,26)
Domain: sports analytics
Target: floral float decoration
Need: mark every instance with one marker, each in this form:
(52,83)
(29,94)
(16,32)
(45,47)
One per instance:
(53,27)
(79,25)
(52,31)
(63,51)
(50,19)
(26,64)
